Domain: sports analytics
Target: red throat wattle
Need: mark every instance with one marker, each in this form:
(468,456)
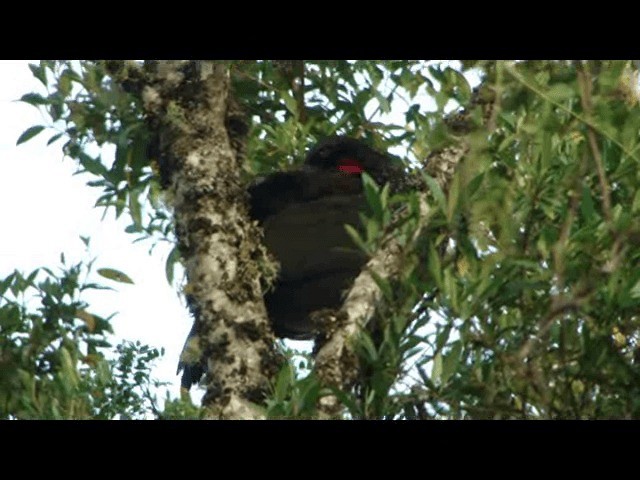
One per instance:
(349,165)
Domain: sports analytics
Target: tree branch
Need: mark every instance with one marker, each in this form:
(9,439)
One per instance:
(336,363)
(584,79)
(188,104)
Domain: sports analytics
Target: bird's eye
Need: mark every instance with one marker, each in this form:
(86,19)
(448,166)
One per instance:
(350,165)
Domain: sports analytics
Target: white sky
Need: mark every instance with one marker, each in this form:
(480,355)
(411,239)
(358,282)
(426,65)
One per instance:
(44,210)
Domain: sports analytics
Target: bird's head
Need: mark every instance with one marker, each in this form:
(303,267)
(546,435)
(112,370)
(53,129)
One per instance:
(352,157)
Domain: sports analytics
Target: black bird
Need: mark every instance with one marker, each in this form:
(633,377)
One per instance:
(303,213)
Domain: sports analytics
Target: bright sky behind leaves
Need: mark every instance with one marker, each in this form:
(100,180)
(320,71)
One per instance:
(44,211)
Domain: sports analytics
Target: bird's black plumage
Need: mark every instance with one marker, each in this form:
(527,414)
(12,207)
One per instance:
(303,214)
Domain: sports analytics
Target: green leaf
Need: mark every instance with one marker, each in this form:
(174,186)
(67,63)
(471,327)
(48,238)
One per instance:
(586,205)
(635,208)
(29,133)
(383,285)
(435,267)
(357,239)
(4,284)
(9,316)
(450,361)
(92,165)
(442,337)
(348,400)
(39,72)
(561,92)
(368,347)
(54,138)
(115,275)
(136,210)
(436,191)
(169,267)
(289,102)
(473,185)
(34,99)
(436,370)
(372,229)
(372,194)
(283,382)
(30,278)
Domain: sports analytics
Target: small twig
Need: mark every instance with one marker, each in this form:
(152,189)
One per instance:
(585,86)
(497,90)
(297,85)
(559,248)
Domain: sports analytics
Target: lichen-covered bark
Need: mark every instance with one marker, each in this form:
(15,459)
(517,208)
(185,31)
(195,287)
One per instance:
(187,102)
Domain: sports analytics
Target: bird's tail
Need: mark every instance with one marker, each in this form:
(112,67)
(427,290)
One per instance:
(190,363)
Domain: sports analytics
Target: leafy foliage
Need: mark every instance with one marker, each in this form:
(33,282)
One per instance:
(55,356)
(519,298)
(91,112)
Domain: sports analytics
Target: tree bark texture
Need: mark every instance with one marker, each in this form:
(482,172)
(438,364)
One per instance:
(187,102)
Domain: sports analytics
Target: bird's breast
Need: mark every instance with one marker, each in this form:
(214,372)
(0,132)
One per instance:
(309,238)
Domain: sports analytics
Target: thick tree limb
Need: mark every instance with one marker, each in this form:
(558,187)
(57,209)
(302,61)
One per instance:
(187,102)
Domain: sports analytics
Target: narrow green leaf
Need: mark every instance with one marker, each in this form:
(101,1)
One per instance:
(442,337)
(436,370)
(561,92)
(348,400)
(587,207)
(34,99)
(357,239)
(39,72)
(283,382)
(115,275)
(474,184)
(92,165)
(372,229)
(54,138)
(635,208)
(368,347)
(4,284)
(435,267)
(289,102)
(31,277)
(135,209)
(9,316)
(29,133)
(372,194)
(169,267)
(384,285)
(384,197)
(450,361)
(436,191)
